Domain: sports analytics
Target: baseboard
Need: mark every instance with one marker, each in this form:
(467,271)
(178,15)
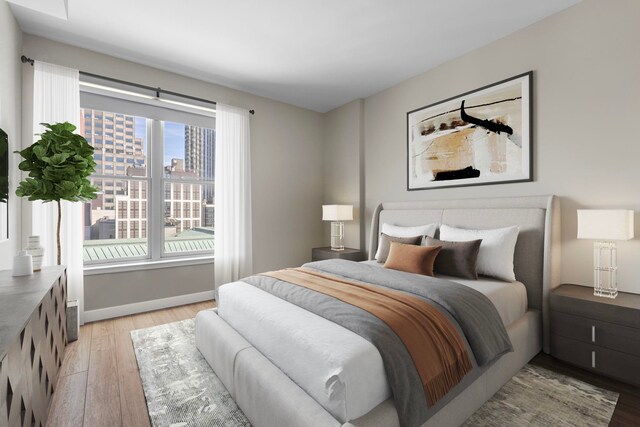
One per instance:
(144,306)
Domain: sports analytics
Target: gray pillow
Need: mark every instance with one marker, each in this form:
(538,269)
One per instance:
(457,259)
(384,245)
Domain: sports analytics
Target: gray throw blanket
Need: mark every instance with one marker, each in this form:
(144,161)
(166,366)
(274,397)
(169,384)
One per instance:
(472,313)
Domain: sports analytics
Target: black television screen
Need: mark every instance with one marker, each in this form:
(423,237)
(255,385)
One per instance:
(4,185)
(4,166)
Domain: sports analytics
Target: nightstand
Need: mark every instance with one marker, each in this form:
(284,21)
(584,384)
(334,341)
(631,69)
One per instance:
(599,334)
(318,254)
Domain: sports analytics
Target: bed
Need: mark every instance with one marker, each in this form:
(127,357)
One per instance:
(259,368)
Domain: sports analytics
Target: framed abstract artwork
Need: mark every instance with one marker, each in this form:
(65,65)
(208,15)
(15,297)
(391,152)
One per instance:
(480,137)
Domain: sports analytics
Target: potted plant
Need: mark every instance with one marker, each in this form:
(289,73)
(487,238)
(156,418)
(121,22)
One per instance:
(58,165)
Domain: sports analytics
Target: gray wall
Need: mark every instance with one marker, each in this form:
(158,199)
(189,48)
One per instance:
(10,122)
(344,168)
(114,289)
(286,145)
(586,105)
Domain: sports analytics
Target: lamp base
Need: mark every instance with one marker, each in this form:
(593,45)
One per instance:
(337,236)
(605,269)
(605,293)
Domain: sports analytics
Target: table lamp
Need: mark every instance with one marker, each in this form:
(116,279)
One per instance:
(337,214)
(605,227)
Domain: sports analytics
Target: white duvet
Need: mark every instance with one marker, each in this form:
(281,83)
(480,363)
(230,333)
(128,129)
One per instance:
(342,371)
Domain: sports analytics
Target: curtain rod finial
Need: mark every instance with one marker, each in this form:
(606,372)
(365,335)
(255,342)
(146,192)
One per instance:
(26,60)
(252,111)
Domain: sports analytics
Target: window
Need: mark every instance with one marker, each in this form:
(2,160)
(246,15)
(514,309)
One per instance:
(111,221)
(153,193)
(188,175)
(122,210)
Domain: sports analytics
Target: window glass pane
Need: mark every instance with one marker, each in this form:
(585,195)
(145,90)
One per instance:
(189,152)
(188,221)
(96,127)
(115,223)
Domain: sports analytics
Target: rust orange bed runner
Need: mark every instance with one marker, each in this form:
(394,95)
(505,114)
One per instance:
(433,342)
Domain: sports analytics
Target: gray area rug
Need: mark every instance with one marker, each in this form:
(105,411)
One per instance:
(180,387)
(539,397)
(182,390)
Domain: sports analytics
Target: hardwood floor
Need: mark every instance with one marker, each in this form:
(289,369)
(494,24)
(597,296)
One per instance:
(99,382)
(100,385)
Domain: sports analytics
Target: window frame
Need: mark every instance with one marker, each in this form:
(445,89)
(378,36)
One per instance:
(155,180)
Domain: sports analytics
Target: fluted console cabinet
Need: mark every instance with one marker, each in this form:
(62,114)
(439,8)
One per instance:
(33,336)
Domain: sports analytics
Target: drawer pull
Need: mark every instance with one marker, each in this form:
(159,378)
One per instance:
(593,333)
(593,359)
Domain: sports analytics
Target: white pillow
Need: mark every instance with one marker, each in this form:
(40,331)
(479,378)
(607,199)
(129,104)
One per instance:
(495,257)
(400,231)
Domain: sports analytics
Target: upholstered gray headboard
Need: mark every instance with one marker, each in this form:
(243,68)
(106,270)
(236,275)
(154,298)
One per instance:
(537,254)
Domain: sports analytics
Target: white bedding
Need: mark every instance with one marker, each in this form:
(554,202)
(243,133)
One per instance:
(342,371)
(509,298)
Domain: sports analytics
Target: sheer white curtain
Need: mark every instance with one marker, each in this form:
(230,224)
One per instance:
(56,98)
(233,257)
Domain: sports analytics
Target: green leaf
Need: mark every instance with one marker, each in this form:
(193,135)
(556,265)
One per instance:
(59,164)
(59,159)
(39,151)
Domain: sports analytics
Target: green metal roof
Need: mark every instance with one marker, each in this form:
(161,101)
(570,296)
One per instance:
(111,249)
(188,245)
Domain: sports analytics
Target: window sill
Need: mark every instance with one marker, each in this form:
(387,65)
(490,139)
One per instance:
(91,270)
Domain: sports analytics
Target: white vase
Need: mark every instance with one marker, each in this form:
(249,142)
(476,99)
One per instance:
(22,264)
(36,251)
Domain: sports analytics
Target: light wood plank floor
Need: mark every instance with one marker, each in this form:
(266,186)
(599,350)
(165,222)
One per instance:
(100,385)
(99,382)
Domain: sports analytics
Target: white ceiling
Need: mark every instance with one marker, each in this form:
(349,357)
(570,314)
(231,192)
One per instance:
(313,54)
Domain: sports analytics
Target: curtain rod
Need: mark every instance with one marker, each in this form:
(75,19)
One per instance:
(157,90)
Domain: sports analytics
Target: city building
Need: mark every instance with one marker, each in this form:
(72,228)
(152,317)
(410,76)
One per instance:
(183,201)
(209,212)
(116,149)
(199,146)
(131,212)
(199,155)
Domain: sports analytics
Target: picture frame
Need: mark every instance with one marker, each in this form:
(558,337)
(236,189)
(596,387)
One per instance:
(480,137)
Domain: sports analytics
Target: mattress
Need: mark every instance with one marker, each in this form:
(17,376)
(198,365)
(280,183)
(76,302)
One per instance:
(341,370)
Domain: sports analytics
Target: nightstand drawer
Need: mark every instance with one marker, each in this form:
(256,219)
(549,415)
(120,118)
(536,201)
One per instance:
(622,366)
(603,334)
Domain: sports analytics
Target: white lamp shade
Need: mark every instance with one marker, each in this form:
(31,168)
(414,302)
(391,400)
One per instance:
(337,212)
(605,224)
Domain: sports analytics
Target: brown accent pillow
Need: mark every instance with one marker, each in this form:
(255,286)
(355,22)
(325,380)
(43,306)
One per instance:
(385,244)
(456,258)
(412,258)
